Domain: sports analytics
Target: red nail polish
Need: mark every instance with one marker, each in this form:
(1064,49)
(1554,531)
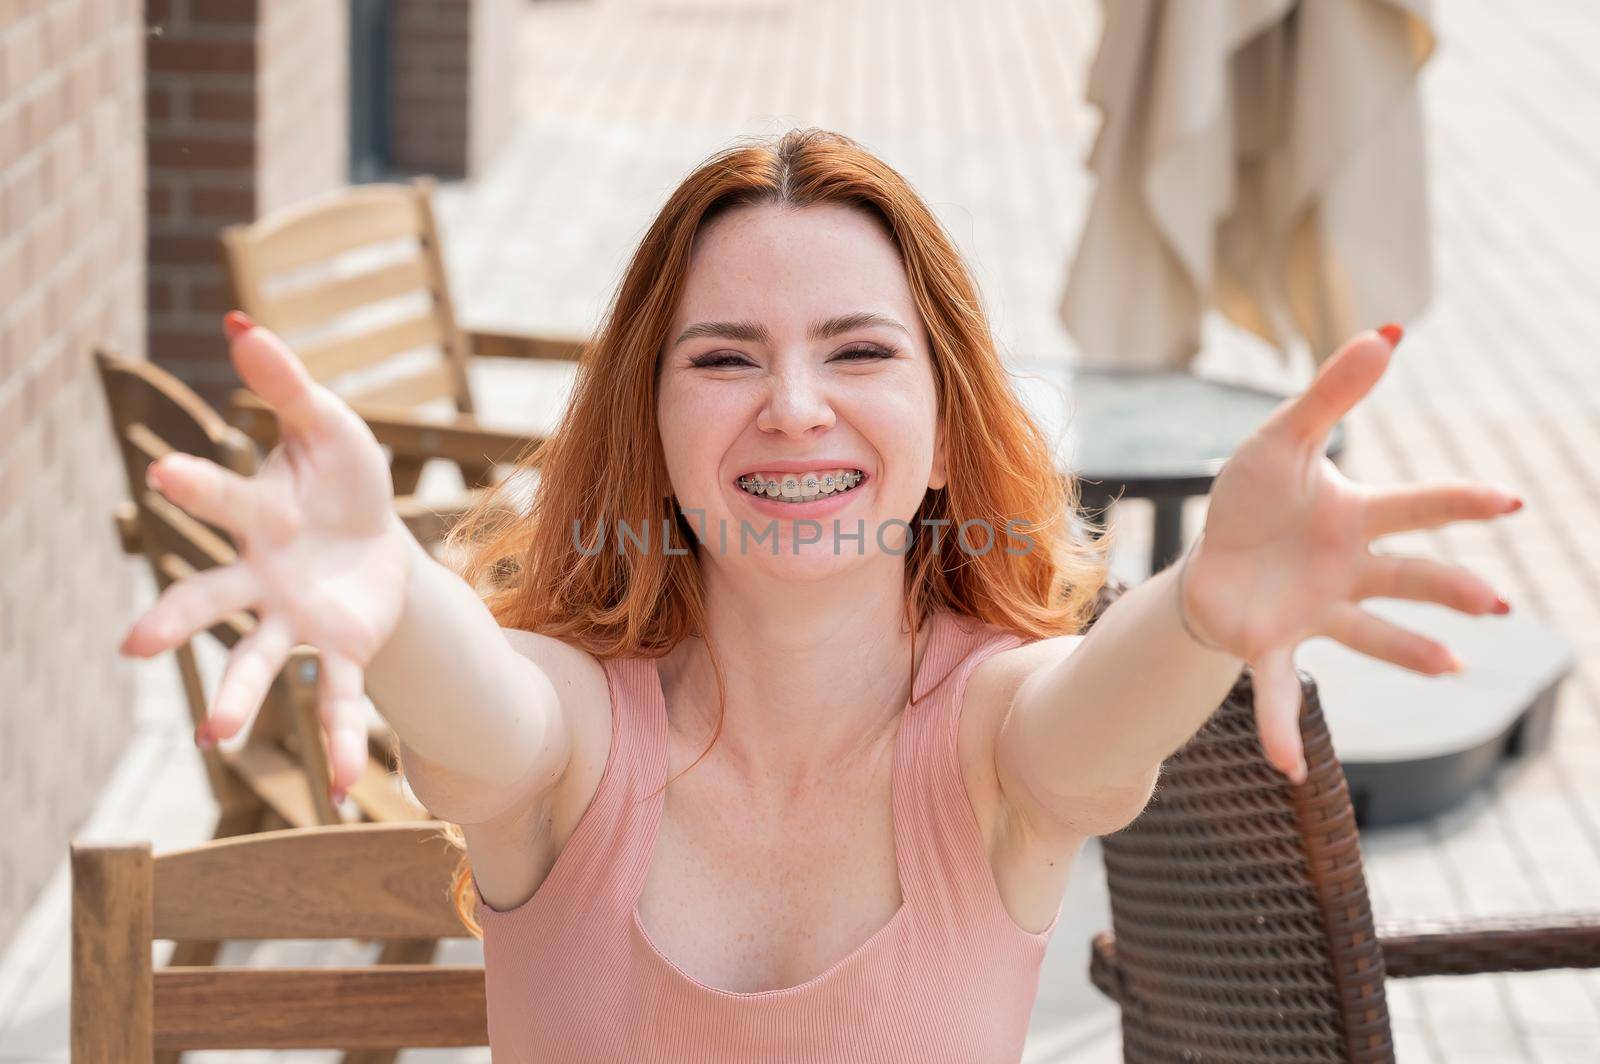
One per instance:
(236,323)
(1392,333)
(1516,504)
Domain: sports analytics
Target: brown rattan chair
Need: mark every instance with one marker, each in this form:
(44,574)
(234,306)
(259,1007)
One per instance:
(390,882)
(1241,925)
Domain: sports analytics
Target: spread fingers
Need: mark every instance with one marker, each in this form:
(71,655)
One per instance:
(1428,580)
(1367,633)
(246,679)
(215,495)
(190,605)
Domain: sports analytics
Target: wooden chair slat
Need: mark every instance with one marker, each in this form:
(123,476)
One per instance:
(526,346)
(315,304)
(401,394)
(169,569)
(327,226)
(341,355)
(146,445)
(111,962)
(278,780)
(169,530)
(400,1006)
(382,881)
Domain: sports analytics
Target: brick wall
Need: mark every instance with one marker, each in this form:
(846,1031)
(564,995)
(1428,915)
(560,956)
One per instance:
(452,66)
(72,234)
(247,111)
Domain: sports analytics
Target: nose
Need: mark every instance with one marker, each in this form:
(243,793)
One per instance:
(796,403)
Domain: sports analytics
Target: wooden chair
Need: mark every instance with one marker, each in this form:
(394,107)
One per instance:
(380,881)
(315,269)
(278,777)
(1241,924)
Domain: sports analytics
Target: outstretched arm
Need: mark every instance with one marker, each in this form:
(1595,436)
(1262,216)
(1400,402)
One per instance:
(1284,557)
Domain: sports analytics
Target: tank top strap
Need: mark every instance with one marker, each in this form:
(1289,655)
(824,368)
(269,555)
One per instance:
(599,870)
(945,867)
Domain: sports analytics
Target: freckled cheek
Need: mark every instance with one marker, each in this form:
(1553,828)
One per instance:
(900,429)
(697,432)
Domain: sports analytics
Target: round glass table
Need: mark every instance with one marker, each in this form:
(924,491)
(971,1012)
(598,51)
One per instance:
(1161,435)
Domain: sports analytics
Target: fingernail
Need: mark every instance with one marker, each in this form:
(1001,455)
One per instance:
(203,738)
(236,323)
(151,479)
(337,795)
(1457,665)
(1516,504)
(1501,605)
(1392,333)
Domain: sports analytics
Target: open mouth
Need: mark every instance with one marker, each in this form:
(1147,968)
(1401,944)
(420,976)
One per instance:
(801,487)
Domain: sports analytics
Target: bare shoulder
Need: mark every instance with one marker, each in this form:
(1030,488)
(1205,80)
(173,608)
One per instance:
(513,851)
(1031,861)
(578,676)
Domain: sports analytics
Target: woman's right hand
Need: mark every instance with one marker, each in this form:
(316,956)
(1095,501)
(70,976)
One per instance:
(322,558)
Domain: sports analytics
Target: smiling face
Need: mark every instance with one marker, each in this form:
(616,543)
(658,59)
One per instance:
(797,349)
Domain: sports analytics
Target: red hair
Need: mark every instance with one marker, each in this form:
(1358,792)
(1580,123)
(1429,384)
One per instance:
(1000,467)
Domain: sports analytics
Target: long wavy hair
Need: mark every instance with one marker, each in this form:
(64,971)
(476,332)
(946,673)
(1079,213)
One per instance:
(605,462)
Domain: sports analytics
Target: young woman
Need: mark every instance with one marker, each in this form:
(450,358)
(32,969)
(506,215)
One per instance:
(899,740)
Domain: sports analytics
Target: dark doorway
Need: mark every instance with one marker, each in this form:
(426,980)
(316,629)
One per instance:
(369,90)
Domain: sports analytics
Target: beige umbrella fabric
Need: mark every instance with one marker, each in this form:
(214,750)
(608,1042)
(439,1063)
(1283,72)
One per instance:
(1264,157)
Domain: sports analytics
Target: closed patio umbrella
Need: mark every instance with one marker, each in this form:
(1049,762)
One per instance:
(1264,157)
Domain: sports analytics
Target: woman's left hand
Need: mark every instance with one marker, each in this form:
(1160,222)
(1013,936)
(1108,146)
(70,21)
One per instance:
(1285,554)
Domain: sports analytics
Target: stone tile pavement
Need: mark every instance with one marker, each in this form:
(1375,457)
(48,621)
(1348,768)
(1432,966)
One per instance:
(979,103)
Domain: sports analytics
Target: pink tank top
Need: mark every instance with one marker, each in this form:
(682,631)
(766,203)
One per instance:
(572,976)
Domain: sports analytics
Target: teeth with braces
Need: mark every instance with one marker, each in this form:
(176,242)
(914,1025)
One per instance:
(801,487)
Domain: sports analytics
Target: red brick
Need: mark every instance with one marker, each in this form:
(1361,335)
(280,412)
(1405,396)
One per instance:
(200,57)
(168,249)
(188,345)
(223,106)
(10,274)
(10,138)
(222,204)
(22,59)
(165,294)
(50,243)
(158,103)
(22,195)
(194,151)
(159,200)
(210,296)
(224,13)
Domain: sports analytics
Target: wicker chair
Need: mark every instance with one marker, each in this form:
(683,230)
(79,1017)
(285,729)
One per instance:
(1242,928)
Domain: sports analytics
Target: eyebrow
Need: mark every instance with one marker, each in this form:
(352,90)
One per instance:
(755,332)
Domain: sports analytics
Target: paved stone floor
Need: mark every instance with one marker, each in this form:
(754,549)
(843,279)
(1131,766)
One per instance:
(979,103)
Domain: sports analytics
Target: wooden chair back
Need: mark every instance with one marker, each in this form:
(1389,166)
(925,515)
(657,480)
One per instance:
(354,280)
(390,882)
